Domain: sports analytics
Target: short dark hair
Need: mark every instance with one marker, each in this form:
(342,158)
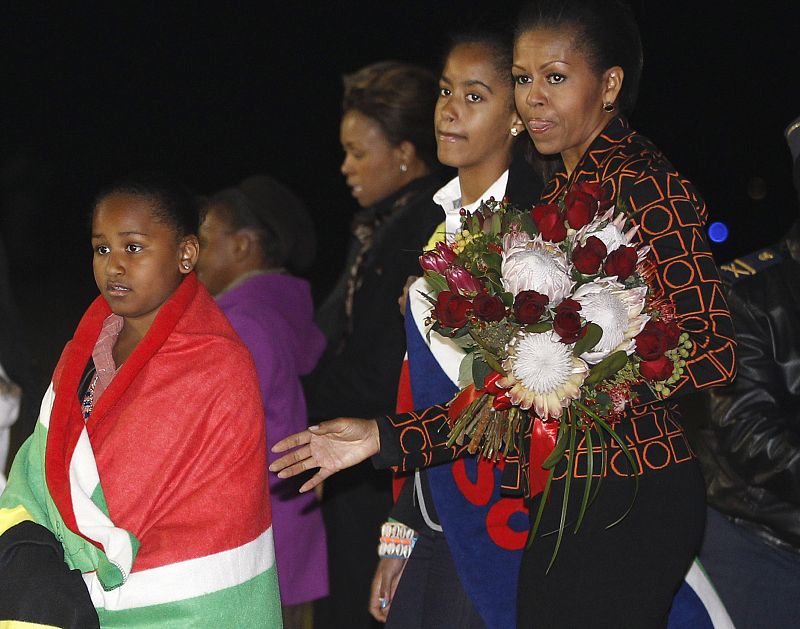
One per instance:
(285,230)
(605,30)
(401,98)
(174,203)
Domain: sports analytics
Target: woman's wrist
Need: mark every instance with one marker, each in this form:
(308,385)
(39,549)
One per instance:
(375,437)
(397,540)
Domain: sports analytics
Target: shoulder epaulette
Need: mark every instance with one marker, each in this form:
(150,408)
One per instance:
(749,264)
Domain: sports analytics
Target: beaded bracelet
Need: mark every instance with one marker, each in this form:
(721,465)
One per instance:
(397,540)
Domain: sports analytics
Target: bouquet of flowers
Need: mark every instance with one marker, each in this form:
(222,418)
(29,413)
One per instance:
(559,321)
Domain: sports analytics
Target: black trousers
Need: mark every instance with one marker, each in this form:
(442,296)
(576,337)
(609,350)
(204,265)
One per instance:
(625,576)
(430,595)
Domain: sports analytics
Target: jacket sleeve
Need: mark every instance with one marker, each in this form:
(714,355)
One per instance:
(416,439)
(671,218)
(756,419)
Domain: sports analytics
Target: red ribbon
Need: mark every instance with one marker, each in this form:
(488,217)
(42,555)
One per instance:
(543,436)
(462,401)
(543,440)
(468,395)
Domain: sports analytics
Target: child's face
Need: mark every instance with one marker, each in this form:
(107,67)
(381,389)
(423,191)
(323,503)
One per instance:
(138,261)
(474,112)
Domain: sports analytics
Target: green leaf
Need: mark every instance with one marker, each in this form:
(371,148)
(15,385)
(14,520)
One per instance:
(461,332)
(558,450)
(436,281)
(494,279)
(464,341)
(592,337)
(527,224)
(480,370)
(465,370)
(589,471)
(606,368)
(634,466)
(493,260)
(604,465)
(538,328)
(432,300)
(496,225)
(565,504)
(508,299)
(540,510)
(475,226)
(493,362)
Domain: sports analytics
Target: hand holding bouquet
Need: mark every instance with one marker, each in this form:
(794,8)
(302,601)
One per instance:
(559,321)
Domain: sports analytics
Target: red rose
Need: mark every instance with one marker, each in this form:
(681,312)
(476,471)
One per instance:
(588,257)
(671,332)
(529,306)
(567,322)
(550,222)
(621,262)
(488,307)
(590,188)
(569,305)
(656,370)
(580,207)
(651,343)
(451,309)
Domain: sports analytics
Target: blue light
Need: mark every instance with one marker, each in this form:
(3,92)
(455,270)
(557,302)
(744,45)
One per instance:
(718,232)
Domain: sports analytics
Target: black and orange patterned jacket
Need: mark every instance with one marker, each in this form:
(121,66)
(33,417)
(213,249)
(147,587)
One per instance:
(671,216)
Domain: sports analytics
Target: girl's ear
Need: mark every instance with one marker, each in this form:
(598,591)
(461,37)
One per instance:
(189,250)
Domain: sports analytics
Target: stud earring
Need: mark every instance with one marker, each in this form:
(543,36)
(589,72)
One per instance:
(608,107)
(186,266)
(403,168)
(514,131)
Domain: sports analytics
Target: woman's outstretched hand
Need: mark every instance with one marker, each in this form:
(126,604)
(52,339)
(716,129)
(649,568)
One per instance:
(331,446)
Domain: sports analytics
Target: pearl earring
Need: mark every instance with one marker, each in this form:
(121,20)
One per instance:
(186,266)
(514,131)
(403,168)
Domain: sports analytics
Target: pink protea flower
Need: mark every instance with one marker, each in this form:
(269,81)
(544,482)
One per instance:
(462,281)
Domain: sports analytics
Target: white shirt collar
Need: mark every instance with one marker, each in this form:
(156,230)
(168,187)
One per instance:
(449,198)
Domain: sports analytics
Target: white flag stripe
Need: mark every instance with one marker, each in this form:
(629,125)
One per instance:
(698,580)
(92,522)
(446,352)
(47,406)
(187,579)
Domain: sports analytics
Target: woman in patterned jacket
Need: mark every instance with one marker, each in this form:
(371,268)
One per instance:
(577,65)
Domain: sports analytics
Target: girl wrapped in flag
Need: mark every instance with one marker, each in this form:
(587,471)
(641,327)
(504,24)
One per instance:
(148,461)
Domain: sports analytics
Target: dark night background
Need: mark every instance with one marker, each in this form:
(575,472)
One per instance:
(92,91)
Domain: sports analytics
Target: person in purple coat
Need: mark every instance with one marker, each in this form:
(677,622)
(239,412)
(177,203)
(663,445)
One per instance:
(249,238)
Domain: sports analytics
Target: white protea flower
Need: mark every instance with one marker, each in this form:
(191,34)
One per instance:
(542,373)
(617,310)
(535,265)
(611,231)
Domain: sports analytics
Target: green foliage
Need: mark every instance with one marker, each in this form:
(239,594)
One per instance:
(606,368)
(480,371)
(592,337)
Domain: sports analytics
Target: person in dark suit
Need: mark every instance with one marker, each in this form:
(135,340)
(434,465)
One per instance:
(390,166)
(749,441)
